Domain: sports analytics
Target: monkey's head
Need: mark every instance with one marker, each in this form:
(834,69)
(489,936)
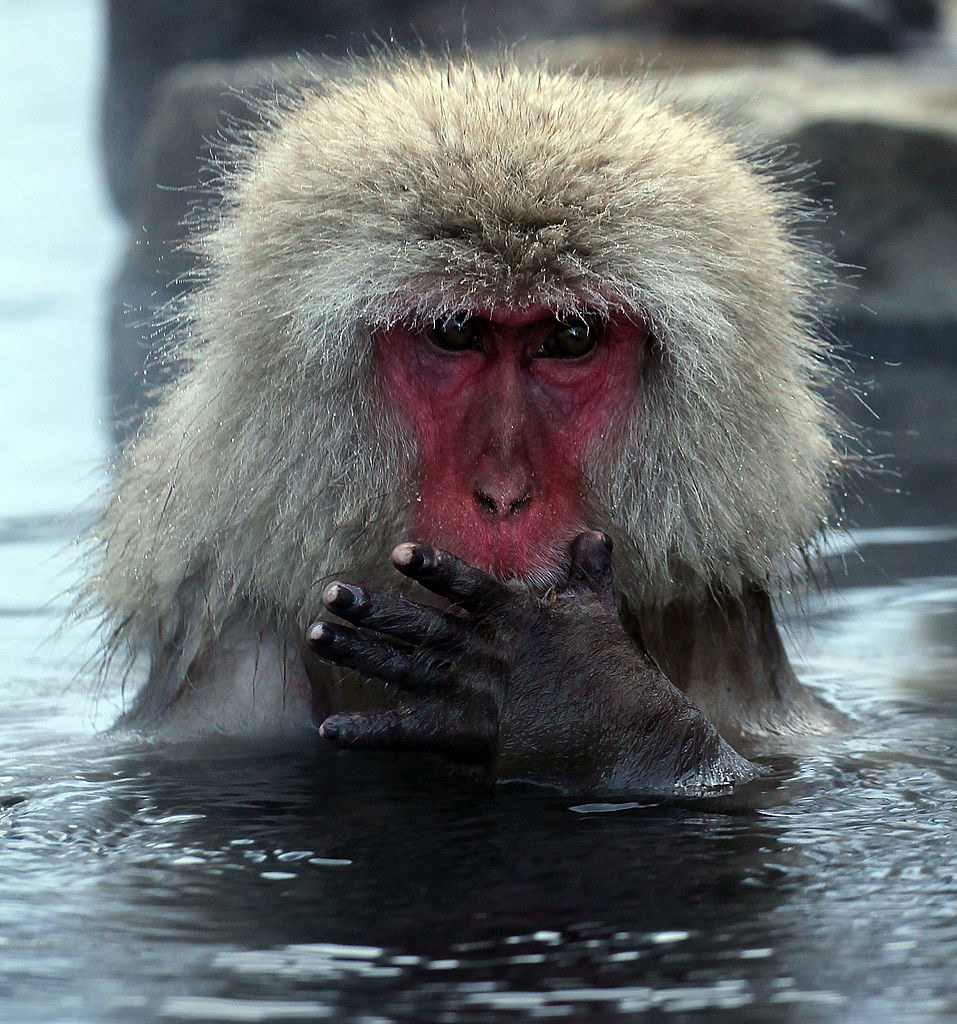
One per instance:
(488,308)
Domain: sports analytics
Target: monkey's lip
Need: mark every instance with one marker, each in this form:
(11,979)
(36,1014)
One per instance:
(512,556)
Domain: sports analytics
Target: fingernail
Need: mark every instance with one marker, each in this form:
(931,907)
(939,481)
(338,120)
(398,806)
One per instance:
(319,634)
(329,731)
(340,597)
(408,556)
(606,540)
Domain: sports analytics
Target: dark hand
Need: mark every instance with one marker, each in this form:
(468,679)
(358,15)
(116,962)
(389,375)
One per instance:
(551,690)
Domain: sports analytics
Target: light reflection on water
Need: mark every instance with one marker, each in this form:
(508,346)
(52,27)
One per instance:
(242,882)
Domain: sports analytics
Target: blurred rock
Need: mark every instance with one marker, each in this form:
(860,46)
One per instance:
(893,192)
(170,175)
(865,26)
(147,38)
(881,138)
(909,424)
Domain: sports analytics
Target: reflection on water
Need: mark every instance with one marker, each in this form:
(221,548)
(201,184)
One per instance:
(235,882)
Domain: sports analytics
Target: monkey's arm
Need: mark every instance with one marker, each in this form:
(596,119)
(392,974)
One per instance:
(553,691)
(726,654)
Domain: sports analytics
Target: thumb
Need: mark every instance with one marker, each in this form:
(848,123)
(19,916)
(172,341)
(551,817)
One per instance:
(591,565)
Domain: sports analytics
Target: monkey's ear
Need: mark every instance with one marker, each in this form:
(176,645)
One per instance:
(591,566)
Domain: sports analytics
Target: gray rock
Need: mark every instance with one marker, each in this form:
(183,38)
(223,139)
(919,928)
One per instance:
(149,38)
(881,139)
(171,177)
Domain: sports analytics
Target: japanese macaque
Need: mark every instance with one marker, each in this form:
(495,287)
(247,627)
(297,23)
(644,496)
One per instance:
(515,373)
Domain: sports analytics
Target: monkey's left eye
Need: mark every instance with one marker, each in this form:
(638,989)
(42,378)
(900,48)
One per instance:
(569,341)
(458,333)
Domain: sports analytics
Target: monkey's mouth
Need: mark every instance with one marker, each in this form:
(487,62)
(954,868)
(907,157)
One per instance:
(514,555)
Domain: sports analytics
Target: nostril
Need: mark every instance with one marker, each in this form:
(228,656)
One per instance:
(503,505)
(486,502)
(519,503)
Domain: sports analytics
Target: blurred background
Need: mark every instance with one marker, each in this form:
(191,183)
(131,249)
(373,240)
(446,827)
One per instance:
(143,884)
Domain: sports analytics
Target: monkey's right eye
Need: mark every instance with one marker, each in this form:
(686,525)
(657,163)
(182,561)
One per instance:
(457,333)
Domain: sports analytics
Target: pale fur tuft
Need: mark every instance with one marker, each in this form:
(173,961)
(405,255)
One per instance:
(411,188)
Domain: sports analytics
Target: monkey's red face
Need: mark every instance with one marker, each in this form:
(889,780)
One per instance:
(505,404)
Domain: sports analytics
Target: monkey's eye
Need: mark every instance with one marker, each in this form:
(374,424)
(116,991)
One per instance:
(457,333)
(569,341)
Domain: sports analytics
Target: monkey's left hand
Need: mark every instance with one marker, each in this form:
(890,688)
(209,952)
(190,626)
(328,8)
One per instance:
(548,689)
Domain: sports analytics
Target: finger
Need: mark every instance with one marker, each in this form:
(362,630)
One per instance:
(367,653)
(389,613)
(450,577)
(419,670)
(408,729)
(591,565)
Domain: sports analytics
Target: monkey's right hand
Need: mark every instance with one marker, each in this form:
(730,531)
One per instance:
(546,689)
(449,669)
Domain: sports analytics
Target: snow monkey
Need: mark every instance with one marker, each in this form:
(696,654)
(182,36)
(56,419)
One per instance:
(500,388)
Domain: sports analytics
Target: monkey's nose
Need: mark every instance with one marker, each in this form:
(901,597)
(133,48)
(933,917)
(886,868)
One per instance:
(502,502)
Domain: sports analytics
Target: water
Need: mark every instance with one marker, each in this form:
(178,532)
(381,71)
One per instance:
(245,883)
